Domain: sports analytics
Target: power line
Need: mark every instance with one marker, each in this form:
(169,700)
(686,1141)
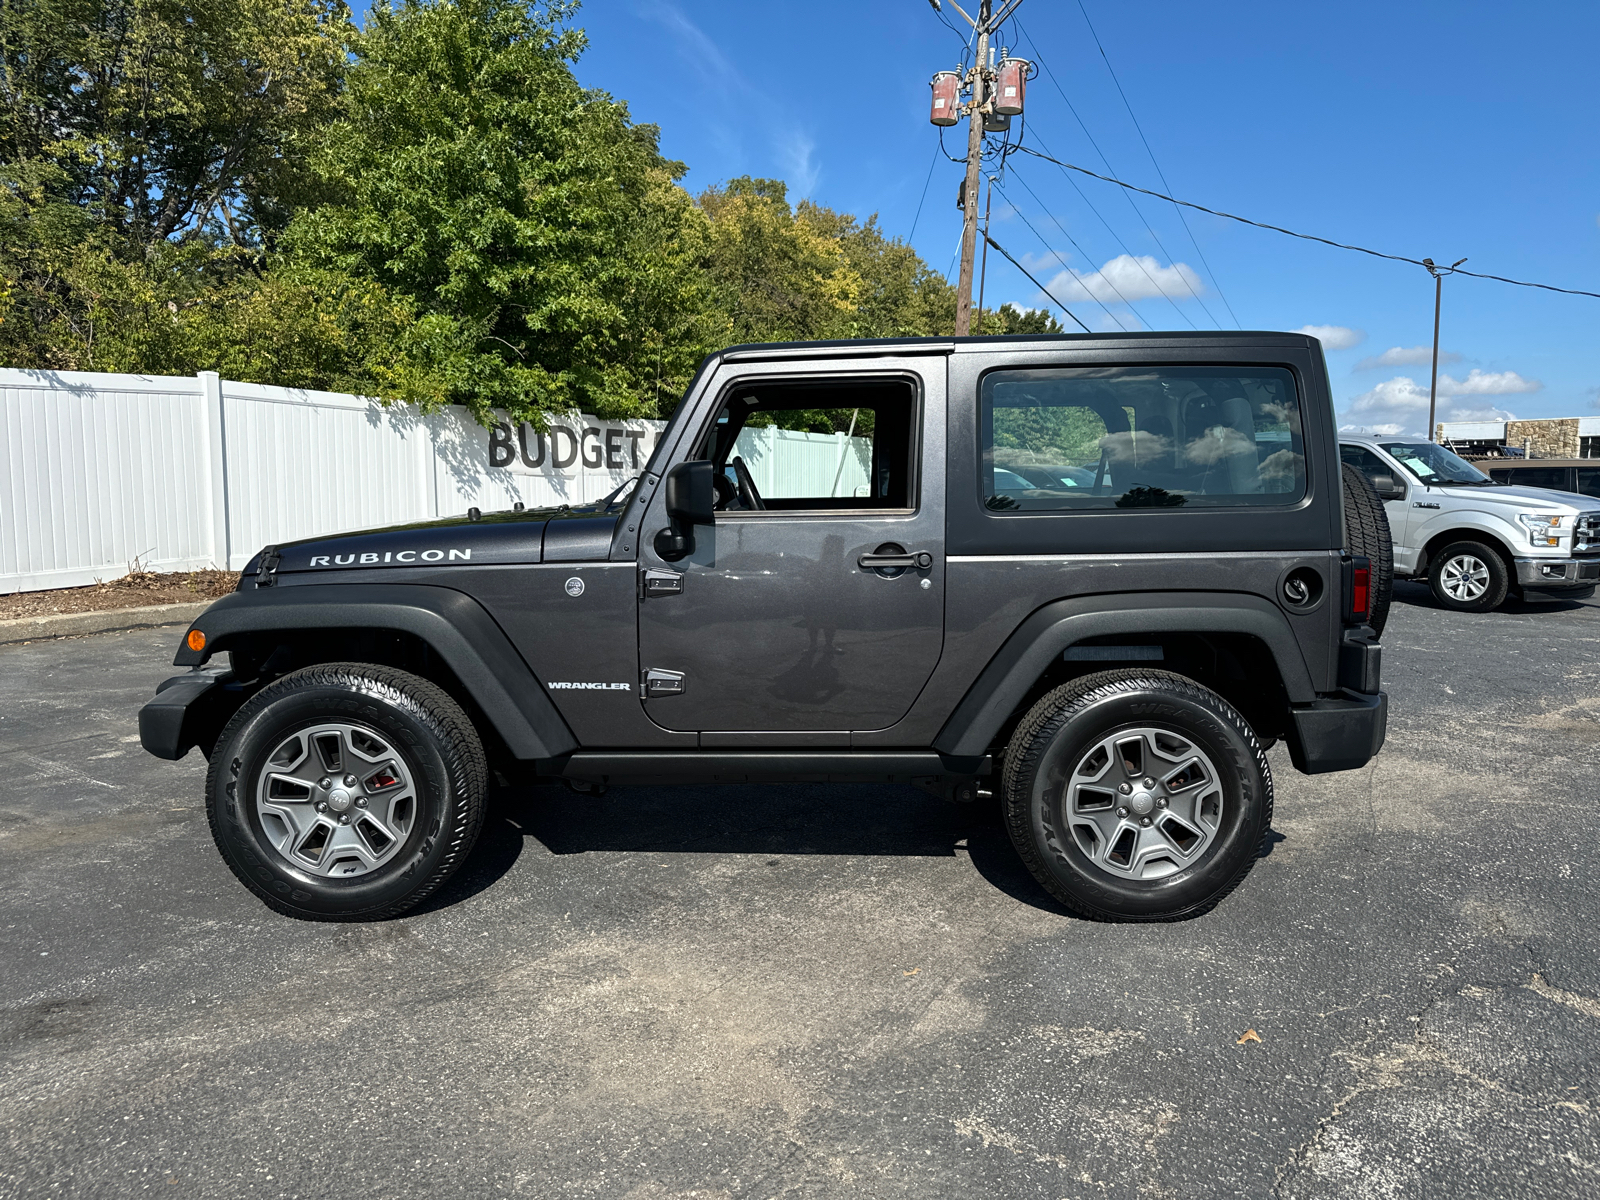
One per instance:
(1117,237)
(1045,67)
(1159,172)
(1148,228)
(1058,257)
(1035,282)
(931,164)
(1309,237)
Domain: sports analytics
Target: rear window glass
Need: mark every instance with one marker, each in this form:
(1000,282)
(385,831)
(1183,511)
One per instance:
(1141,437)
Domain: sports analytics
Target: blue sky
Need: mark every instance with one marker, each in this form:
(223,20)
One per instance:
(1436,130)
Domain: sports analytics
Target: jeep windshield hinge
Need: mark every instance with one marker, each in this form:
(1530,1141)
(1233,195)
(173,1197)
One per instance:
(653,581)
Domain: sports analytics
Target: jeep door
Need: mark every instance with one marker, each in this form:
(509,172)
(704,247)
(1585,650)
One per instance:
(814,606)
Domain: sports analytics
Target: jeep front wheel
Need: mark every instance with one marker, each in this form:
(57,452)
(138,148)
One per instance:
(1137,795)
(346,792)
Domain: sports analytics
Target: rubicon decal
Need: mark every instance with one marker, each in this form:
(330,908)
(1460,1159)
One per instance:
(592,687)
(372,558)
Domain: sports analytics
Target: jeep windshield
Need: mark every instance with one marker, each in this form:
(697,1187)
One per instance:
(1433,464)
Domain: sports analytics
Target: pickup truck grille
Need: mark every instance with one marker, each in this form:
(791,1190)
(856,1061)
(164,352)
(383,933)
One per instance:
(1586,533)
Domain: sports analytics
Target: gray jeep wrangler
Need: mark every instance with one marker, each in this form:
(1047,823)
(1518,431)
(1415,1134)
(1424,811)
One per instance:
(1095,576)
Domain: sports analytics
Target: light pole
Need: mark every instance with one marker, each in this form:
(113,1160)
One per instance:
(1438,274)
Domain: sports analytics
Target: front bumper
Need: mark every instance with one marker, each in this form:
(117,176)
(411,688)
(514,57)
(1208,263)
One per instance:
(1555,573)
(1338,733)
(189,710)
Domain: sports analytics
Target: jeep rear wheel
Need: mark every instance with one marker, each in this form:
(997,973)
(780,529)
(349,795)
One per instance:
(346,792)
(1469,577)
(1137,795)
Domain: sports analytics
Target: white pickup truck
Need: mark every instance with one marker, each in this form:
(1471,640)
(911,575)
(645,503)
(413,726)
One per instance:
(1473,540)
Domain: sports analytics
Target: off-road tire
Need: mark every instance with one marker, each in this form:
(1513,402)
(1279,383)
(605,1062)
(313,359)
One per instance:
(1366,533)
(429,731)
(1498,582)
(1067,723)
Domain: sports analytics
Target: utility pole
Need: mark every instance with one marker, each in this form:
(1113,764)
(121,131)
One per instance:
(983,267)
(1438,274)
(980,104)
(977,78)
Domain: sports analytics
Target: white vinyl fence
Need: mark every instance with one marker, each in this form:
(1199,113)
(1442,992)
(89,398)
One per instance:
(98,470)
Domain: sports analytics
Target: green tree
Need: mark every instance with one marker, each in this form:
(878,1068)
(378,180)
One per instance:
(536,231)
(149,151)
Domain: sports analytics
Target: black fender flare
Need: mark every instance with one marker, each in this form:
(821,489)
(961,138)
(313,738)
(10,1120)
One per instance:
(454,625)
(1046,634)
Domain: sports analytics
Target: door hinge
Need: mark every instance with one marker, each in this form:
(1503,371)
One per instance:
(658,682)
(267,569)
(655,582)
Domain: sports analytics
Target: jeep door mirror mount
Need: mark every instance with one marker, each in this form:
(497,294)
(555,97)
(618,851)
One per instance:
(690,500)
(1387,488)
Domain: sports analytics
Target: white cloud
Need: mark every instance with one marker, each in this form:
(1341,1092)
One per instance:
(1390,430)
(1127,278)
(796,152)
(1406,356)
(1402,402)
(1487,383)
(1334,337)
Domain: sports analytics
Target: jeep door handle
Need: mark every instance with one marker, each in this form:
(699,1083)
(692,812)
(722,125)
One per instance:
(877,562)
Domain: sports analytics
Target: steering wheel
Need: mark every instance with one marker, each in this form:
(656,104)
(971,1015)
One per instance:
(724,489)
(748,495)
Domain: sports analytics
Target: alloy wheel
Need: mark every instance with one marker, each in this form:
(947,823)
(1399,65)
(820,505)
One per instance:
(1464,578)
(1143,803)
(336,800)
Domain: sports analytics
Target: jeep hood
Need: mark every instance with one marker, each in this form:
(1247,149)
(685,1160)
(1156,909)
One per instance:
(494,539)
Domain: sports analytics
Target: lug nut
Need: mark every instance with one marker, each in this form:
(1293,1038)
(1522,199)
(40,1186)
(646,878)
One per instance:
(344,819)
(324,784)
(1125,788)
(361,802)
(1145,821)
(322,806)
(349,781)
(1122,812)
(1149,783)
(1161,801)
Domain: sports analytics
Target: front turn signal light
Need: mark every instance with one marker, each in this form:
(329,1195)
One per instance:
(196,640)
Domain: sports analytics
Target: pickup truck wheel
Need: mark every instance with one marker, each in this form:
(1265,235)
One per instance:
(1136,795)
(346,792)
(1366,532)
(1468,577)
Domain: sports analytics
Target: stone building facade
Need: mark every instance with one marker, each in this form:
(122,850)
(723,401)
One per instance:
(1553,437)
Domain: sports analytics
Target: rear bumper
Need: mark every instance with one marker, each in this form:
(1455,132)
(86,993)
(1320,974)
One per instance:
(189,710)
(1554,573)
(1338,733)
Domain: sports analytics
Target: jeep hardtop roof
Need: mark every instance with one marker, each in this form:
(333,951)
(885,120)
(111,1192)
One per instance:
(936,345)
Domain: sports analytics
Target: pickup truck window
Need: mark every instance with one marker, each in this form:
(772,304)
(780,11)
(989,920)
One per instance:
(1431,463)
(1140,437)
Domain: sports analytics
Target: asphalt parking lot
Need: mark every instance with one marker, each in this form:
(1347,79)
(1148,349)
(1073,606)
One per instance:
(816,992)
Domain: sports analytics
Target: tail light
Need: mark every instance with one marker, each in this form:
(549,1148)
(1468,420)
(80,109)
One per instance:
(1357,590)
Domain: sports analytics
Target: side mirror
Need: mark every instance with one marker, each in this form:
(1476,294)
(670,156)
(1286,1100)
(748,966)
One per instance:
(689,497)
(1387,488)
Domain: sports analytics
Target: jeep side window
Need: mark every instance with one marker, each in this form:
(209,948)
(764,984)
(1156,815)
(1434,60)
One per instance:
(1141,437)
(808,445)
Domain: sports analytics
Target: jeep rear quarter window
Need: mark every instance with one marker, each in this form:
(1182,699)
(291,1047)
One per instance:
(1140,437)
